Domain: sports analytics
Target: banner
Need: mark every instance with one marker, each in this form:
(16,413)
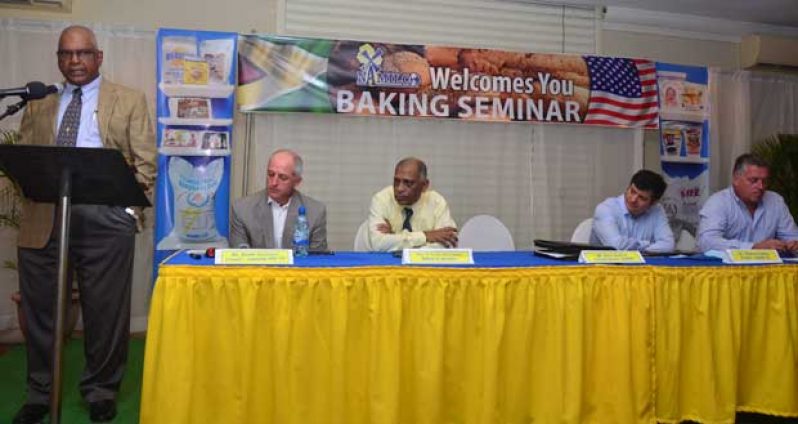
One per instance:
(196,83)
(369,78)
(684,142)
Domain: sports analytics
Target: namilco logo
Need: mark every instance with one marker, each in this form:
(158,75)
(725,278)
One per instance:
(371,74)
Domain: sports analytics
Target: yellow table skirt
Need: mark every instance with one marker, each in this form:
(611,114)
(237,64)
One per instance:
(603,344)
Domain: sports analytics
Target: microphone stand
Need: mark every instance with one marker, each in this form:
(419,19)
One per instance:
(13,108)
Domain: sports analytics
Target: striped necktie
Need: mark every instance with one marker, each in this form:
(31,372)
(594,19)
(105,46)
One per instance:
(406,224)
(68,132)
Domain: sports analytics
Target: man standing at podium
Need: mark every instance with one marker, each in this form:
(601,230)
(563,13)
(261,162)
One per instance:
(90,112)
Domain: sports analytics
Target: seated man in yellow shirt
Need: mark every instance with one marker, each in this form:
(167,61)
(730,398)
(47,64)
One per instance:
(409,214)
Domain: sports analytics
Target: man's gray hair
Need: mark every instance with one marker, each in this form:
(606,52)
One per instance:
(420,165)
(748,159)
(298,164)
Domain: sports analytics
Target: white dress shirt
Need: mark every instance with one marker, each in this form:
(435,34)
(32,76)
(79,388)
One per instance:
(279,213)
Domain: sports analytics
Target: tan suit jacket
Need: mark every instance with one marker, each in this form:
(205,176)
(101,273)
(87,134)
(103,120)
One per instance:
(124,124)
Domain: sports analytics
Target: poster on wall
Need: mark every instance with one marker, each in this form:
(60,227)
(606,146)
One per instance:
(684,142)
(290,74)
(195,104)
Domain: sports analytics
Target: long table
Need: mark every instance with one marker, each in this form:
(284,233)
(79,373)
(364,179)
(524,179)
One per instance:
(359,338)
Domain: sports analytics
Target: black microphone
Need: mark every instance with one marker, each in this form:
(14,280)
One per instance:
(31,91)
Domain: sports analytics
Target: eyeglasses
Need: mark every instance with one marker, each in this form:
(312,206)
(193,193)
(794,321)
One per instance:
(81,54)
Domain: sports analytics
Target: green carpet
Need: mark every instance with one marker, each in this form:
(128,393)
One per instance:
(74,409)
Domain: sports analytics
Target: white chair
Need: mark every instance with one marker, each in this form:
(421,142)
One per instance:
(362,242)
(686,242)
(485,233)
(582,231)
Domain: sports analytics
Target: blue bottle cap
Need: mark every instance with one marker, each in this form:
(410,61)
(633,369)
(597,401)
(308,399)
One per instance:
(302,210)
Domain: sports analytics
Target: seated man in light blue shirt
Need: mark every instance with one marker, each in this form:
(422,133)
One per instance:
(747,215)
(634,220)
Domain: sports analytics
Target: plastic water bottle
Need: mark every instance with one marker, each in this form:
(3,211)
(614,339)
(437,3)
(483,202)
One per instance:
(301,234)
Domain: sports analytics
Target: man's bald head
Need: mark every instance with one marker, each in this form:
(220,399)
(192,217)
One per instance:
(84,32)
(79,59)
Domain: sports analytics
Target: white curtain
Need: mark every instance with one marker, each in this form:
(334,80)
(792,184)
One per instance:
(574,169)
(28,48)
(747,107)
(540,180)
(477,167)
(509,25)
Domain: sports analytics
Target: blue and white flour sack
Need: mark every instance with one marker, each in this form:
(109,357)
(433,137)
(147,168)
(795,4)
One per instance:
(194,191)
(688,189)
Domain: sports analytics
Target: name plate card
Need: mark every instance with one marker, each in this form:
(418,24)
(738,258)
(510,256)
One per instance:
(254,257)
(751,256)
(611,257)
(437,257)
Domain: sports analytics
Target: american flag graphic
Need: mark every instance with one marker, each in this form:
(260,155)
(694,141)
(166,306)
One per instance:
(623,92)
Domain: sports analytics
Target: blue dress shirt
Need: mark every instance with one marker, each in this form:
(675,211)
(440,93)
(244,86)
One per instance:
(89,131)
(726,223)
(614,226)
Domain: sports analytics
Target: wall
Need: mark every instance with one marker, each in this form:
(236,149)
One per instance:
(261,16)
(674,49)
(237,15)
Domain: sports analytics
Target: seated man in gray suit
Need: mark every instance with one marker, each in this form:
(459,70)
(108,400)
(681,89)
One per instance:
(266,219)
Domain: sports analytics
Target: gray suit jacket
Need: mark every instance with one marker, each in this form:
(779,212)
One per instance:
(251,222)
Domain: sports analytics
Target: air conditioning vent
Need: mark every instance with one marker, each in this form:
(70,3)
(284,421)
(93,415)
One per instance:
(768,51)
(44,5)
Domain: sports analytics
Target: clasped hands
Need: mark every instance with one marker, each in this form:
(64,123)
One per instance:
(446,236)
(780,245)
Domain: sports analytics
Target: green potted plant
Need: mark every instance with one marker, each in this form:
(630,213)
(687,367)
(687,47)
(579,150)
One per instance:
(10,216)
(781,152)
(9,194)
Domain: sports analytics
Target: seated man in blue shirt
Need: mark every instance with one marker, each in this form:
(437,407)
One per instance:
(747,215)
(634,220)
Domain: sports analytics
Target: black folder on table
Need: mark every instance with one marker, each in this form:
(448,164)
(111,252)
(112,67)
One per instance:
(563,249)
(568,250)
